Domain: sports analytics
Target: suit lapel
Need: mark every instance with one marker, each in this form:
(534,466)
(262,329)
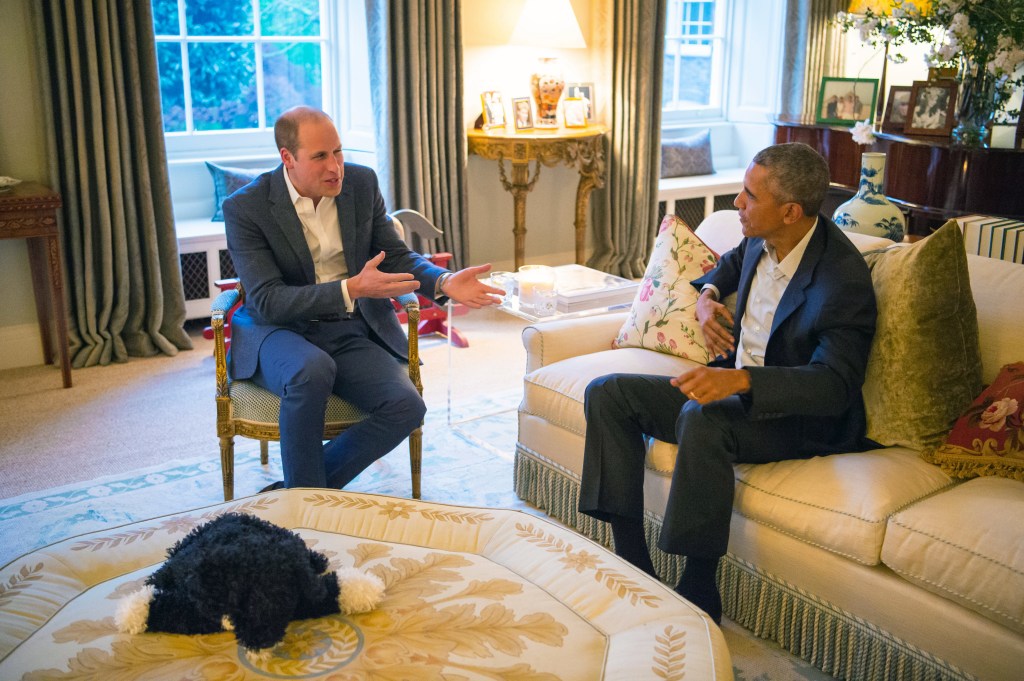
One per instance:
(291,227)
(347,220)
(794,297)
(752,254)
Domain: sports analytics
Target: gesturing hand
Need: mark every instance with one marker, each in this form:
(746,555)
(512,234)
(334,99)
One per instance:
(464,287)
(718,338)
(372,283)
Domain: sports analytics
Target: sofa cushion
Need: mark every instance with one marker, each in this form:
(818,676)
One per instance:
(840,502)
(988,438)
(964,544)
(226,181)
(925,363)
(662,317)
(555,392)
(689,155)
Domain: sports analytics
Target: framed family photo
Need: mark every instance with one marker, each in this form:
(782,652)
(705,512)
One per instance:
(575,111)
(494,109)
(522,113)
(896,108)
(844,101)
(584,91)
(931,108)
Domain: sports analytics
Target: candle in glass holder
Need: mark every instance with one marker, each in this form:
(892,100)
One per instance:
(534,278)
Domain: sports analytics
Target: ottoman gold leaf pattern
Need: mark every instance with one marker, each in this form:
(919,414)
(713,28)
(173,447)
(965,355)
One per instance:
(670,654)
(20,581)
(395,509)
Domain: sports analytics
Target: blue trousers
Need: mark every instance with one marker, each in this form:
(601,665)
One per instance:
(339,357)
(622,408)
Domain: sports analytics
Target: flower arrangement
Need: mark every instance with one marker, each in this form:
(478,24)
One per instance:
(982,39)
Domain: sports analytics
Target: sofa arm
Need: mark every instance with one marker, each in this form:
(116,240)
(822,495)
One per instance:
(550,342)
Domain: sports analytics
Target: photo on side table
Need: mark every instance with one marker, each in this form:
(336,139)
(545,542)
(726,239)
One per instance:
(844,101)
(896,108)
(522,113)
(584,91)
(494,109)
(931,108)
(575,112)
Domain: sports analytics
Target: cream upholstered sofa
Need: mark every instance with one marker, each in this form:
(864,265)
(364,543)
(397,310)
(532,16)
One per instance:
(872,565)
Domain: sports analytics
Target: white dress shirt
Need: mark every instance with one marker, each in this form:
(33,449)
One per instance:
(322,230)
(769,283)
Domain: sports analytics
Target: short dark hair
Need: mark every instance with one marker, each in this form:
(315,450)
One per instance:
(797,174)
(286,127)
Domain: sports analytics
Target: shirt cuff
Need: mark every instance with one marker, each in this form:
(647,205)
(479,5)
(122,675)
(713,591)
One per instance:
(350,306)
(714,290)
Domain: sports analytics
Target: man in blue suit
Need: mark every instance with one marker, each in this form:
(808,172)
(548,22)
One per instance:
(785,383)
(319,259)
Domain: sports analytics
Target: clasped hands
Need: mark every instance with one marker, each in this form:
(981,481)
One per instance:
(707,384)
(462,287)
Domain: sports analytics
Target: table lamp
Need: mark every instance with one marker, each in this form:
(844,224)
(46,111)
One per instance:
(548,24)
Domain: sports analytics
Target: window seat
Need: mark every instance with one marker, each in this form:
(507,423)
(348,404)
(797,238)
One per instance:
(695,197)
(203,254)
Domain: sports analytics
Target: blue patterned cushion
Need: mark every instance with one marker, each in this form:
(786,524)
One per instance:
(690,155)
(228,180)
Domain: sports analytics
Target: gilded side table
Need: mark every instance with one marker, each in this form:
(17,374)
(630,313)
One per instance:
(29,211)
(580,148)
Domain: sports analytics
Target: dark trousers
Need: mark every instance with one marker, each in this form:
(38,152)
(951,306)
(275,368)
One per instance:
(337,357)
(622,408)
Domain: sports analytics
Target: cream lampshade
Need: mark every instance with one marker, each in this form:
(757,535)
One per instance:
(548,24)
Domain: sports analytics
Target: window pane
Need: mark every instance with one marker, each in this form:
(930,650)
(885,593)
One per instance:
(290,17)
(172,89)
(223,78)
(165,17)
(291,76)
(224,17)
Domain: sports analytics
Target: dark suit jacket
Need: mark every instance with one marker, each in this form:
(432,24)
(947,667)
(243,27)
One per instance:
(270,255)
(819,342)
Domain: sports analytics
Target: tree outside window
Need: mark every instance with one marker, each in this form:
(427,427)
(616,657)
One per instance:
(694,69)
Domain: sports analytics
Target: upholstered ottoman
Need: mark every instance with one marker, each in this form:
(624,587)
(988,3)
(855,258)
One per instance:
(472,593)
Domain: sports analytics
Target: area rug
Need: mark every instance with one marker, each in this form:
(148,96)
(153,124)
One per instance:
(467,460)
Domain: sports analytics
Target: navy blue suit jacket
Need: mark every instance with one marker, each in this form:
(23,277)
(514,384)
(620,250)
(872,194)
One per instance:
(819,342)
(269,251)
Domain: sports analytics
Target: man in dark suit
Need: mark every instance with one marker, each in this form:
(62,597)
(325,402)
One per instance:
(319,259)
(785,383)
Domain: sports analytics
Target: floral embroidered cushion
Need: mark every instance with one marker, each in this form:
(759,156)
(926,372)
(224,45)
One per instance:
(662,315)
(988,438)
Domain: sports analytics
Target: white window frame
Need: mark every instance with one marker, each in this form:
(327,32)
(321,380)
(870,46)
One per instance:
(716,109)
(344,76)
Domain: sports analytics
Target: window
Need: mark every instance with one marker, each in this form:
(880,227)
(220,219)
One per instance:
(693,83)
(229,68)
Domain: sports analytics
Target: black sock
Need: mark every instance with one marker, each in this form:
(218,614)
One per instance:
(698,586)
(631,544)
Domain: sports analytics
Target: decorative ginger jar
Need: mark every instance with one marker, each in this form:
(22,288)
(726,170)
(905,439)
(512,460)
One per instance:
(869,211)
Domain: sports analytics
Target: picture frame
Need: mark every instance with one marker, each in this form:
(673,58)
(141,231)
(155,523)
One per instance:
(574,111)
(584,91)
(522,113)
(897,106)
(931,108)
(494,109)
(845,101)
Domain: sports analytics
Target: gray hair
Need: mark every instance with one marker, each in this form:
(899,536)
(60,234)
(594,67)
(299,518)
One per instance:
(286,128)
(797,174)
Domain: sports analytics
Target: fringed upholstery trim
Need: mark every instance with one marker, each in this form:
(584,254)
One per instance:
(837,642)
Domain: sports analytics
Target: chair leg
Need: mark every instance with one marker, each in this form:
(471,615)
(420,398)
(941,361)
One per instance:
(264,456)
(416,459)
(227,466)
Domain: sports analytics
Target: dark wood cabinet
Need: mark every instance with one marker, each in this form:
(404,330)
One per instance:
(929,177)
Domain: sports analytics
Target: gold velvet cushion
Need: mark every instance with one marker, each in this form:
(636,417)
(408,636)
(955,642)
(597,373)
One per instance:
(662,315)
(988,438)
(925,363)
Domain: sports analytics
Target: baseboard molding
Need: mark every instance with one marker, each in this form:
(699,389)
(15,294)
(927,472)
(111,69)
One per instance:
(22,344)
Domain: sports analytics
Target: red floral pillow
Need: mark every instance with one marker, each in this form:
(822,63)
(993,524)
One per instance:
(988,438)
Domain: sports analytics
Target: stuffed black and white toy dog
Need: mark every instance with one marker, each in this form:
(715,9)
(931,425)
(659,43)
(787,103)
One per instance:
(239,572)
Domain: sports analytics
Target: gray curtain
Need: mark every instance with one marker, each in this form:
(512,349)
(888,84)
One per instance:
(106,157)
(814,48)
(416,81)
(626,210)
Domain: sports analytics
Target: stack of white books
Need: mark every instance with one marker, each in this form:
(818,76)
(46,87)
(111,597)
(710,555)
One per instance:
(993,237)
(580,288)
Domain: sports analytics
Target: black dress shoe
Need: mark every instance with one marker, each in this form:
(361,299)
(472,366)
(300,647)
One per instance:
(272,486)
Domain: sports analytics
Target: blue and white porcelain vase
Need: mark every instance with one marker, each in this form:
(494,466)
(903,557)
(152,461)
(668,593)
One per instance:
(869,212)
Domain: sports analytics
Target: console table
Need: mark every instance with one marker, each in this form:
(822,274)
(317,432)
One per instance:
(580,148)
(929,177)
(29,211)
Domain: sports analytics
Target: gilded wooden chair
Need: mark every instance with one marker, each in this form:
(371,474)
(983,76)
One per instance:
(246,409)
